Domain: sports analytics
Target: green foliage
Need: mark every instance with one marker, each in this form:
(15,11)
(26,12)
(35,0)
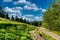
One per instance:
(44,24)
(52,18)
(12,31)
(57,32)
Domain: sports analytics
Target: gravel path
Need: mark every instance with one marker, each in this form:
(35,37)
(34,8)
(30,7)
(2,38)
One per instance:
(35,36)
(53,35)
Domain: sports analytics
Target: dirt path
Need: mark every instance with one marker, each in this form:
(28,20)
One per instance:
(35,36)
(53,35)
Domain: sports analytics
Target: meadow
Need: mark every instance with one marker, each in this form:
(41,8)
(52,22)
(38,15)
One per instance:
(11,30)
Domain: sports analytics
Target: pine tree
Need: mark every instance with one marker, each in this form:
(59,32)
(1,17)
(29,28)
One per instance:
(52,16)
(21,19)
(16,18)
(12,18)
(7,16)
(2,13)
(24,20)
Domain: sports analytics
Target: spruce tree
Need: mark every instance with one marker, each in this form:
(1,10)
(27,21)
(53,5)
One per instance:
(12,18)
(7,16)
(2,13)
(16,18)
(52,17)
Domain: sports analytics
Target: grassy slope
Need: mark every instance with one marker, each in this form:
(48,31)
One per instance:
(12,30)
(21,33)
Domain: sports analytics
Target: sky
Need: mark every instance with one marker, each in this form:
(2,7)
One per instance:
(31,10)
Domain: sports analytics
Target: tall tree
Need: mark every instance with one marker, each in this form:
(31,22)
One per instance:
(7,16)
(2,13)
(21,19)
(52,17)
(16,18)
(24,20)
(12,18)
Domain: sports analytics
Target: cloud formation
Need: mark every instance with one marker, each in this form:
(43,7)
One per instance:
(27,6)
(38,18)
(21,2)
(13,10)
(7,0)
(32,7)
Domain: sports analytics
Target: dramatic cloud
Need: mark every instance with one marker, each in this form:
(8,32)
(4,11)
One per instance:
(7,0)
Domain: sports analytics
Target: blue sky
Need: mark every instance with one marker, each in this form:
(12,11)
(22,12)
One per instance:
(27,9)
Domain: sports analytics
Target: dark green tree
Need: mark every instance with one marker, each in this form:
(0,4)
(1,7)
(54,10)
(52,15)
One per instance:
(7,16)
(21,19)
(52,17)
(24,20)
(12,18)
(16,18)
(2,13)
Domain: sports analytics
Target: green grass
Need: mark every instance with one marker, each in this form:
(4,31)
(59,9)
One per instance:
(57,32)
(12,30)
(47,37)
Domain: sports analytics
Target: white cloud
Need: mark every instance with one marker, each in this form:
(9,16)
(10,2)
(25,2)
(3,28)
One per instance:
(43,10)
(28,5)
(19,2)
(11,10)
(31,7)
(15,11)
(7,0)
(18,8)
(41,18)
(37,17)
(13,14)
(28,15)
(34,7)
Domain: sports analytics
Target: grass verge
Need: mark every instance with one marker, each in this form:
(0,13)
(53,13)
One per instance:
(58,33)
(47,37)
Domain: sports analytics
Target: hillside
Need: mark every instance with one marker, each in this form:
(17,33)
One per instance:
(12,30)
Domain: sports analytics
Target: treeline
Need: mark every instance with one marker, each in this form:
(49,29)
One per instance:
(6,15)
(52,17)
(36,23)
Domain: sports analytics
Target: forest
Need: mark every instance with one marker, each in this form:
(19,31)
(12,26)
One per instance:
(52,17)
